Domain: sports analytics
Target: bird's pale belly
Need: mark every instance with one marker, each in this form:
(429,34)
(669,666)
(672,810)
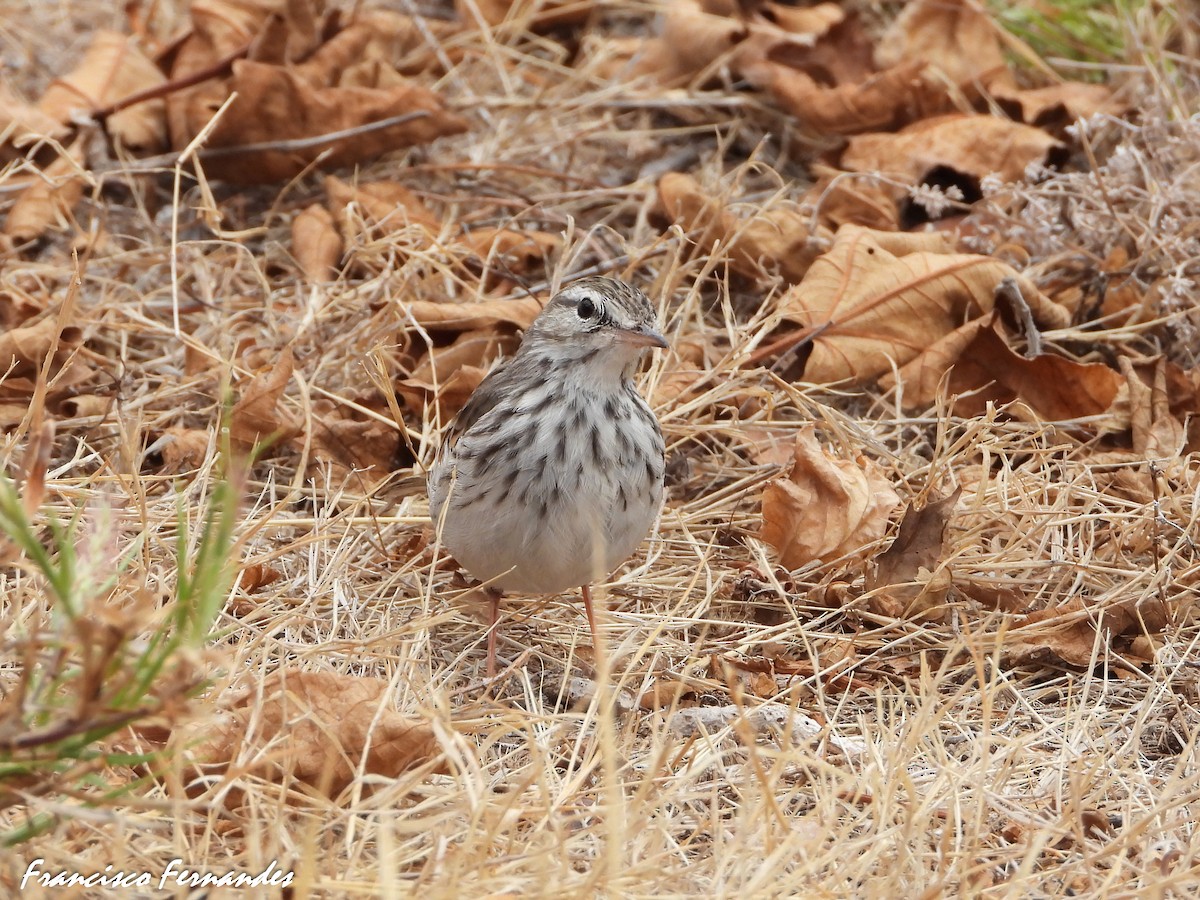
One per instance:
(577,537)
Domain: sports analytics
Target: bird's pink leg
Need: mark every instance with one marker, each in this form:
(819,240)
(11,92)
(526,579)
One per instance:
(591,616)
(494,597)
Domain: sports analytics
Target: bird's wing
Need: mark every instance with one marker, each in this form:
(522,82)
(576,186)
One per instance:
(483,401)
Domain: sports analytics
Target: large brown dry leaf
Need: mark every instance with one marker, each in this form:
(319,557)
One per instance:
(1058,105)
(779,238)
(972,145)
(112,69)
(23,350)
(984,369)
(877,298)
(256,416)
(956,38)
(277,104)
(912,577)
(885,100)
(1068,633)
(322,728)
(825,507)
(696,35)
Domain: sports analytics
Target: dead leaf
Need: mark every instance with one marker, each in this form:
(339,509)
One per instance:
(986,369)
(451,373)
(322,728)
(695,36)
(1057,105)
(348,441)
(472,316)
(23,350)
(183,449)
(256,417)
(852,198)
(511,250)
(534,15)
(1143,405)
(955,38)
(911,578)
(878,297)
(112,68)
(49,201)
(22,122)
(316,244)
(972,146)
(884,101)
(780,237)
(690,40)
(1067,633)
(825,507)
(85,405)
(255,576)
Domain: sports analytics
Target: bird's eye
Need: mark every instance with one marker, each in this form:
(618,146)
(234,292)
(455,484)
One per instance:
(586,308)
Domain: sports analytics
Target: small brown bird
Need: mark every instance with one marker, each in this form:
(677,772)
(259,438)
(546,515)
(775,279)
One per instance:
(552,473)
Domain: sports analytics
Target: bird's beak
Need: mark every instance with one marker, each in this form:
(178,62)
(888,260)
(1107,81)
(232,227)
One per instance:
(641,336)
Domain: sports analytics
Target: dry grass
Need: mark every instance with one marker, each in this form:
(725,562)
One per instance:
(945,767)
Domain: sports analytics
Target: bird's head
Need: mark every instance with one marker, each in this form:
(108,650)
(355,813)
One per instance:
(600,322)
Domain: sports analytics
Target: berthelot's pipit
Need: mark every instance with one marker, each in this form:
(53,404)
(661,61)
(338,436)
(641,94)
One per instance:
(552,473)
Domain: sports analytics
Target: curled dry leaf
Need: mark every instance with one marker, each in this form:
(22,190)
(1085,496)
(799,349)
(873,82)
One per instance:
(690,40)
(21,122)
(255,576)
(316,243)
(23,350)
(971,145)
(1058,105)
(112,68)
(825,507)
(256,416)
(911,578)
(183,449)
(48,202)
(1157,433)
(877,298)
(985,369)
(778,238)
(322,728)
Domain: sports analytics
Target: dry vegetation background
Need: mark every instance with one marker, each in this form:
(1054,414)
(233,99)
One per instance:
(918,616)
